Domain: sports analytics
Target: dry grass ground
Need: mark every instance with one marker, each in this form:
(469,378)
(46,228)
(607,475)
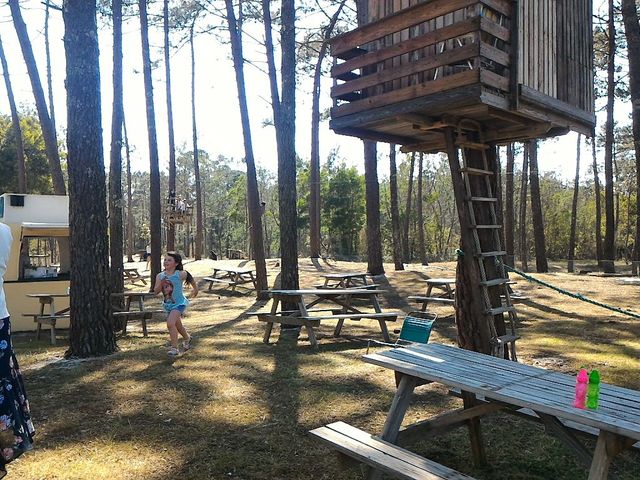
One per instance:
(234,407)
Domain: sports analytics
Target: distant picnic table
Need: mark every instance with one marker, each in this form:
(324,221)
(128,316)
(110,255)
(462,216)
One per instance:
(132,275)
(341,310)
(345,279)
(487,384)
(52,316)
(231,277)
(142,313)
(446,296)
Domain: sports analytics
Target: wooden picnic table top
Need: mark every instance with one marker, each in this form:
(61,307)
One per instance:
(234,269)
(47,295)
(326,292)
(516,384)
(344,275)
(441,281)
(133,294)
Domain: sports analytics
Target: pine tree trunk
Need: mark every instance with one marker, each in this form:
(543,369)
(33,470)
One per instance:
(372,195)
(15,123)
(609,249)
(395,212)
(252,182)
(574,210)
(314,177)
(47,51)
(91,324)
(171,227)
(597,195)
(632,32)
(407,213)
(419,203)
(524,249)
(154,168)
(536,211)
(48,130)
(130,222)
(509,223)
(196,160)
(116,236)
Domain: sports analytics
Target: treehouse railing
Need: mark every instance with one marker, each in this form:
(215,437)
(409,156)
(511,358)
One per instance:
(431,47)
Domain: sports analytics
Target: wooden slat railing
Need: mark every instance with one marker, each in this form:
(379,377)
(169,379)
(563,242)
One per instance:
(432,46)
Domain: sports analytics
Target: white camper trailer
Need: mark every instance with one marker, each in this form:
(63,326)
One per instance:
(39,261)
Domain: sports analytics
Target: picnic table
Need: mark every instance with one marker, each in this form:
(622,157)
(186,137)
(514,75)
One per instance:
(488,384)
(345,279)
(132,275)
(342,309)
(231,276)
(50,318)
(446,295)
(142,313)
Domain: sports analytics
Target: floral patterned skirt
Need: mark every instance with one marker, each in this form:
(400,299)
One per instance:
(16,429)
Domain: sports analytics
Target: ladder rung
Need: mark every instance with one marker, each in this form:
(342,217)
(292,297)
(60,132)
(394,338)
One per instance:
(472,145)
(475,171)
(495,281)
(491,254)
(486,227)
(499,310)
(482,199)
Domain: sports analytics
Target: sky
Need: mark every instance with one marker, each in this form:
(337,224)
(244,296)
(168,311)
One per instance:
(218,119)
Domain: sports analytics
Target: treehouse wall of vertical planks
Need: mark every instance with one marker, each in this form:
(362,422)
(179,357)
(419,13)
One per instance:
(520,68)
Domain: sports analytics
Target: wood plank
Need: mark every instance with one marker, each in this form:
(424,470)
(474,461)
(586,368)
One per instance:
(406,18)
(453,56)
(456,80)
(494,80)
(494,54)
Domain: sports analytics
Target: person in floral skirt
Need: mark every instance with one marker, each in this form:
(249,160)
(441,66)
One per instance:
(16,429)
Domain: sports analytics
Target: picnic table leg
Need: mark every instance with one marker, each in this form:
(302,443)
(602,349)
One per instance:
(609,445)
(475,434)
(268,326)
(53,331)
(395,416)
(336,332)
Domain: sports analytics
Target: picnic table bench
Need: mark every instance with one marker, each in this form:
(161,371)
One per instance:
(345,280)
(343,310)
(122,316)
(132,275)
(50,318)
(231,277)
(488,384)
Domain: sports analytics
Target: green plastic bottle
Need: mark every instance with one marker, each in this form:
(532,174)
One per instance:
(593,390)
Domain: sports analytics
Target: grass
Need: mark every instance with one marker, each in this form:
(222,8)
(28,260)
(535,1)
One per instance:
(234,407)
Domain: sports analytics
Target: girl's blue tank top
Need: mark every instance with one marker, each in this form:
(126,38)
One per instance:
(177,297)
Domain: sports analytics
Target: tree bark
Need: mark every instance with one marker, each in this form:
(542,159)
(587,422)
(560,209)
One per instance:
(196,160)
(597,194)
(509,222)
(407,213)
(632,32)
(48,130)
(574,210)
(130,223)
(15,123)
(52,110)
(536,211)
(154,168)
(395,212)
(252,182)
(372,195)
(116,236)
(422,252)
(524,249)
(314,176)
(91,325)
(609,249)
(171,228)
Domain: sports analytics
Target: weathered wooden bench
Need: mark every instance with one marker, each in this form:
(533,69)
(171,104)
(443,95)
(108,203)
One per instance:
(212,280)
(142,315)
(381,455)
(132,275)
(45,319)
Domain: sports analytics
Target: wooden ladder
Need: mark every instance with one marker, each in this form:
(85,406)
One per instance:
(476,194)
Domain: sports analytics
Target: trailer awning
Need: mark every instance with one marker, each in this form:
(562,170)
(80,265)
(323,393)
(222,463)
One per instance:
(45,229)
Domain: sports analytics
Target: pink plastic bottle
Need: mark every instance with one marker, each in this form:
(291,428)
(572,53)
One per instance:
(581,389)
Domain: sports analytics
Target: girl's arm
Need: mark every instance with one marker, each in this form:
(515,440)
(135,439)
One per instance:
(157,288)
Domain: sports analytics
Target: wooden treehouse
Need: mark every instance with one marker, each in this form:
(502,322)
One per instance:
(462,76)
(177,212)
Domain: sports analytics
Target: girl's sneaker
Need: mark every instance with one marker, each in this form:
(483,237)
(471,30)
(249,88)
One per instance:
(187,343)
(173,352)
